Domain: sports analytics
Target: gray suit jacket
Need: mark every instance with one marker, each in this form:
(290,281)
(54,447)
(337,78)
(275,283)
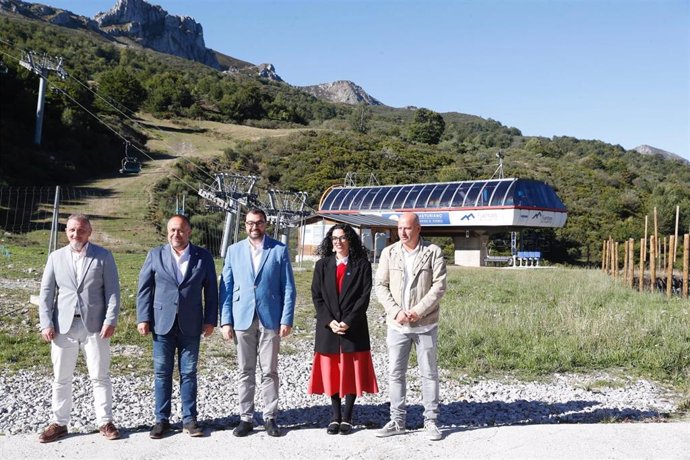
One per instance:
(96,296)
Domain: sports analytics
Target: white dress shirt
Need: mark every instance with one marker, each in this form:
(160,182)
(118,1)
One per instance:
(180,263)
(256,252)
(78,259)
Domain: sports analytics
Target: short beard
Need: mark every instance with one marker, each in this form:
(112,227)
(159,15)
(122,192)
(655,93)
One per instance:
(76,245)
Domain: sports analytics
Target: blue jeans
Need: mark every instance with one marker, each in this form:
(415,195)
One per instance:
(164,347)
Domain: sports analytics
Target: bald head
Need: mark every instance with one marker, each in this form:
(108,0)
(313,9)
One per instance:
(409,230)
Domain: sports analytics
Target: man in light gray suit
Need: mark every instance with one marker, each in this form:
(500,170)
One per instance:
(79,305)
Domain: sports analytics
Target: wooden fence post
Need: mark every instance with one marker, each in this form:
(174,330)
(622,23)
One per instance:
(652,263)
(675,235)
(686,263)
(642,243)
(631,265)
(625,262)
(615,260)
(669,268)
(603,256)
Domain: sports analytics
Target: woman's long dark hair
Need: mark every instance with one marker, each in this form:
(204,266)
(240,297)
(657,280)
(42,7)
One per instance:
(357,251)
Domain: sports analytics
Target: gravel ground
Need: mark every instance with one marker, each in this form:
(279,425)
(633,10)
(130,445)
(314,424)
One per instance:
(480,418)
(465,403)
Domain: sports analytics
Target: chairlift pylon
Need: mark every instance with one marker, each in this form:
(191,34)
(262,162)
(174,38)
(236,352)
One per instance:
(130,164)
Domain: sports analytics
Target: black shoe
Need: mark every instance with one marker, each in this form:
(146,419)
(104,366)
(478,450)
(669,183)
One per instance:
(243,429)
(333,428)
(159,429)
(271,428)
(345,428)
(193,429)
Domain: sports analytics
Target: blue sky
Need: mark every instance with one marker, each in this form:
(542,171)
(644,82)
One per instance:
(613,70)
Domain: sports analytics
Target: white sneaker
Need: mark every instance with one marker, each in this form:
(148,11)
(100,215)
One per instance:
(390,429)
(431,430)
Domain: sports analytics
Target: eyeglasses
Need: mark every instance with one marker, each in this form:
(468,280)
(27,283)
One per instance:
(342,239)
(258,223)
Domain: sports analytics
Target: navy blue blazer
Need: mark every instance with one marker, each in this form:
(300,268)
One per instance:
(161,298)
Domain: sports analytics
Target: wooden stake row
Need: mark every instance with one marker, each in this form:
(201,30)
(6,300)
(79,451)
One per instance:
(610,263)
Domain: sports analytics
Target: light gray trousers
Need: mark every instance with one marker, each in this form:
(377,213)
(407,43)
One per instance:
(399,346)
(64,352)
(258,345)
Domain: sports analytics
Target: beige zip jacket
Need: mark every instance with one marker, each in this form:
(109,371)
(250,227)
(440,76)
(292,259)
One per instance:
(427,287)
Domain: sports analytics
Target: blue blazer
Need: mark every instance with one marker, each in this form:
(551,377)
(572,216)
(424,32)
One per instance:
(160,297)
(270,292)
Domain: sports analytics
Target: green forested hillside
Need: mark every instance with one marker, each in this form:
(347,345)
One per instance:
(607,190)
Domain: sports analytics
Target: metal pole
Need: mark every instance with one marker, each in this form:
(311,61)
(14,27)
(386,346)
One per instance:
(39,109)
(52,243)
(226,234)
(285,237)
(301,249)
(276,228)
(238,210)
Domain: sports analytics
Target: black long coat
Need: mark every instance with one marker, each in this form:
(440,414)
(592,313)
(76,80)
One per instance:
(349,307)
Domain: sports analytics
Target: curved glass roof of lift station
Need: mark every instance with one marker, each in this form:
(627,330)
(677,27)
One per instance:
(482,194)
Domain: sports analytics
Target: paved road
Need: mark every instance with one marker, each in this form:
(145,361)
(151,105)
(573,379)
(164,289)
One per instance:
(581,441)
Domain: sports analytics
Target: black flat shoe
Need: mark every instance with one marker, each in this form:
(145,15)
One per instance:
(345,428)
(159,429)
(243,429)
(271,428)
(333,428)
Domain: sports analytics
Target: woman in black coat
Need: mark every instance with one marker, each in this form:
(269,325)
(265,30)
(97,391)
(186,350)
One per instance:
(340,290)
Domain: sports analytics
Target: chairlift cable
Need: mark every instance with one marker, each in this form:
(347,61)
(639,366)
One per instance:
(111,105)
(116,132)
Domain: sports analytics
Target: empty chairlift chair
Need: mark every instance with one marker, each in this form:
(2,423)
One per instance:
(130,164)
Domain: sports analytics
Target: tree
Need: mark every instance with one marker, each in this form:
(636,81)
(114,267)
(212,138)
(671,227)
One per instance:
(121,89)
(427,127)
(244,104)
(168,93)
(359,118)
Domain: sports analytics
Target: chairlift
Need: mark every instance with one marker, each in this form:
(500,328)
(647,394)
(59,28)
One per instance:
(130,163)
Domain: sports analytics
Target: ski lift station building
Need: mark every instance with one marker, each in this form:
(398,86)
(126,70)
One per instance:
(468,211)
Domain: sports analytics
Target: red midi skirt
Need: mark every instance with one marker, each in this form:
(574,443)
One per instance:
(342,373)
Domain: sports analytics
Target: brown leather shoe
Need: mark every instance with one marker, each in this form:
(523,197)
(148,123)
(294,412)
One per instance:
(109,431)
(52,433)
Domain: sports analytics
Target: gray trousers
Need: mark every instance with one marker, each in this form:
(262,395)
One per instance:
(399,346)
(258,344)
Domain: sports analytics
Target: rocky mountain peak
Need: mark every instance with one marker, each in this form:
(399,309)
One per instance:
(268,71)
(649,150)
(343,91)
(152,27)
(49,14)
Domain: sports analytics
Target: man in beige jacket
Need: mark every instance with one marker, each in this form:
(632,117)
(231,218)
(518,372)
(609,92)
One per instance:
(410,282)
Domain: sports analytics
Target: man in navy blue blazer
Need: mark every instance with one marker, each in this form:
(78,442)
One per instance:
(177,301)
(257,298)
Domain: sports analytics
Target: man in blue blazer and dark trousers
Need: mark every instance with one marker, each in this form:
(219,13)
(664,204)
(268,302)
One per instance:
(177,301)
(257,297)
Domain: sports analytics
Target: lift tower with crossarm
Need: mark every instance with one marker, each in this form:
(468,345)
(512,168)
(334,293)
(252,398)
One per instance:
(41,66)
